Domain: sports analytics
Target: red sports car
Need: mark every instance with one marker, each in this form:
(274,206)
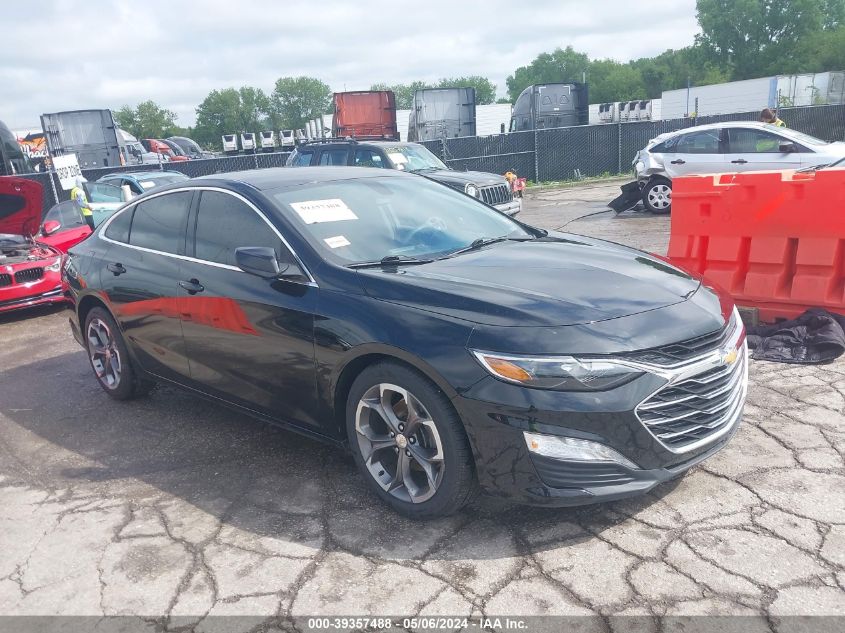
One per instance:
(30,272)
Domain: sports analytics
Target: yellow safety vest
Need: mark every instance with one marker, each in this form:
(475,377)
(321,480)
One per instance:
(84,209)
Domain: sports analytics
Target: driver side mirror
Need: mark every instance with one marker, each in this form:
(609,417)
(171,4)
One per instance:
(262,262)
(787,147)
(50,227)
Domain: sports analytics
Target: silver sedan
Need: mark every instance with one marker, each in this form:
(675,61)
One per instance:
(724,147)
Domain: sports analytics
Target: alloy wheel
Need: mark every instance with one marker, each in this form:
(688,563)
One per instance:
(399,443)
(660,196)
(105,357)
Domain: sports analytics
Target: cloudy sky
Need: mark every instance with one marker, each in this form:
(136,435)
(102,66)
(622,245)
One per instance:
(64,55)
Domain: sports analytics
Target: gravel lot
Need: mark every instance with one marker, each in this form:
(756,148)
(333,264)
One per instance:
(171,507)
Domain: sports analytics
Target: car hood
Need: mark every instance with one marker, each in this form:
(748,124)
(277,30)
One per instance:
(20,206)
(463,178)
(554,281)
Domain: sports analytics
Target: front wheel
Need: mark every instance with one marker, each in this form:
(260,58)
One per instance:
(408,442)
(657,196)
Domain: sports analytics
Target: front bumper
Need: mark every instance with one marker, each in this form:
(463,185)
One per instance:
(510,208)
(44,291)
(496,415)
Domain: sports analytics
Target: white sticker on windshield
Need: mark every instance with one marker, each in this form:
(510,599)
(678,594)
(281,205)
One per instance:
(147,184)
(337,241)
(331,210)
(397,157)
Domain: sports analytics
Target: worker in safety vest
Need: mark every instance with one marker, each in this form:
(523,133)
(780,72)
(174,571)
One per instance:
(77,194)
(768,116)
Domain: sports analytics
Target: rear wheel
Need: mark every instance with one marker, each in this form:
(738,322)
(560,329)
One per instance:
(109,358)
(408,442)
(657,196)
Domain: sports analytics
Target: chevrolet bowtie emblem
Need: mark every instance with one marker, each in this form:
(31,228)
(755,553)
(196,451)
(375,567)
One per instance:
(729,356)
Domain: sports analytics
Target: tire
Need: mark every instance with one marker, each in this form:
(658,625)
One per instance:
(433,449)
(657,196)
(109,358)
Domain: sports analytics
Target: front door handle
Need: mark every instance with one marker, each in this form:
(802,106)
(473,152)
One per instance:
(678,161)
(740,161)
(193,286)
(116,268)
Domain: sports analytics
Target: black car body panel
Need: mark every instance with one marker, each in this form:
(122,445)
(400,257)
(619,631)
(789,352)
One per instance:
(286,350)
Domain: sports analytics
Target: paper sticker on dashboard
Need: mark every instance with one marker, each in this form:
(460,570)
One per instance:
(337,241)
(331,210)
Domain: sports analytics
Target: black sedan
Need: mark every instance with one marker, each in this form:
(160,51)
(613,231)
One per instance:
(443,343)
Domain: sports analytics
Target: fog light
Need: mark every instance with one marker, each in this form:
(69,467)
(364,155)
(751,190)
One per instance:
(574,449)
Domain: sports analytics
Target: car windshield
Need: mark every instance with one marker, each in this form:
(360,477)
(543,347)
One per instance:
(370,219)
(413,158)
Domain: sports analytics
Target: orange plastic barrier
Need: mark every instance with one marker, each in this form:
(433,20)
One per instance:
(774,240)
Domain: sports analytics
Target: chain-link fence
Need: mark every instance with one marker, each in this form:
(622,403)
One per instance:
(191,168)
(568,153)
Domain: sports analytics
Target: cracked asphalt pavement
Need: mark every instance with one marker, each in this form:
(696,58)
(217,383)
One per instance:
(173,508)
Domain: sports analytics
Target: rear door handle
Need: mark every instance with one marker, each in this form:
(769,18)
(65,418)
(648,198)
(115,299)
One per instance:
(193,286)
(679,161)
(741,161)
(116,268)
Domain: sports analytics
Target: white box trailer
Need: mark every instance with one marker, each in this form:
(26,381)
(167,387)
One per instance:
(490,118)
(287,139)
(268,140)
(247,141)
(230,142)
(755,94)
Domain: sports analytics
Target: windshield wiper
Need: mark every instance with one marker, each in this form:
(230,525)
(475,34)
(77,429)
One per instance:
(486,241)
(391,260)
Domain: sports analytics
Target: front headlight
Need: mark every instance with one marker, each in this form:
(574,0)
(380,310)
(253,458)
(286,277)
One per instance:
(55,267)
(471,190)
(563,373)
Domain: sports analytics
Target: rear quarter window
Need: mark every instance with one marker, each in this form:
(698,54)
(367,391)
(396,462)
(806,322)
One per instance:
(118,228)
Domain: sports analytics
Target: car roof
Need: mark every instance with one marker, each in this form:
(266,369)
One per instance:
(142,174)
(362,142)
(280,177)
(749,124)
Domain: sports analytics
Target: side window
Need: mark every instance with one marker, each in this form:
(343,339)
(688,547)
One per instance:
(704,142)
(302,159)
(748,141)
(368,158)
(159,223)
(118,228)
(334,157)
(225,223)
(666,147)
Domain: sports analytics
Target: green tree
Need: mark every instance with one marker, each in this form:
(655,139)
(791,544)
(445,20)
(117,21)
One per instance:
(231,110)
(146,120)
(295,100)
(753,38)
(485,90)
(404,93)
(563,65)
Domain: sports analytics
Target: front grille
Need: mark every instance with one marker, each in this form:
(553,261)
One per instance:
(685,350)
(30,274)
(496,194)
(694,408)
(5,280)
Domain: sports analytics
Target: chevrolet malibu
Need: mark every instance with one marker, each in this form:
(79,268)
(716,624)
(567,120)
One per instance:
(446,345)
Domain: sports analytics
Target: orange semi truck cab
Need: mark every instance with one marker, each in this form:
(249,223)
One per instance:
(367,114)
